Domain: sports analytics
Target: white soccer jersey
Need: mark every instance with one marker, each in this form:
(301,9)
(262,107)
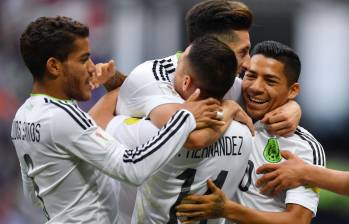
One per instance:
(266,150)
(187,173)
(151,84)
(63,156)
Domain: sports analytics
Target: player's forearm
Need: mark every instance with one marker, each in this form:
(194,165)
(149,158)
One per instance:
(243,215)
(203,137)
(139,164)
(115,81)
(104,110)
(332,180)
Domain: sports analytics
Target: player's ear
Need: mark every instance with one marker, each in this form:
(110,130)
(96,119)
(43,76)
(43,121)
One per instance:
(187,82)
(294,91)
(54,67)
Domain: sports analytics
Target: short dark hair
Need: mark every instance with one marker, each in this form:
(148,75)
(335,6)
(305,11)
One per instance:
(213,64)
(282,53)
(49,37)
(217,17)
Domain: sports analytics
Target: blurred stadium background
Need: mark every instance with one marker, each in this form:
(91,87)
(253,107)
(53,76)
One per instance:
(131,31)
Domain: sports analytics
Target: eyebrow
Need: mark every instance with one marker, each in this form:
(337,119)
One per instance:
(251,71)
(270,76)
(85,55)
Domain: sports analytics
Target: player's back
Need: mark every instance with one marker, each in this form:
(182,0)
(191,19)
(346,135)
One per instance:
(224,162)
(69,189)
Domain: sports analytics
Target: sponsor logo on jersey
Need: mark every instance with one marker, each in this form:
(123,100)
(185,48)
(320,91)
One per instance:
(272,151)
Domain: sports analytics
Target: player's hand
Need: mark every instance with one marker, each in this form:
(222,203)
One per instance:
(104,71)
(234,110)
(204,111)
(199,207)
(284,120)
(281,176)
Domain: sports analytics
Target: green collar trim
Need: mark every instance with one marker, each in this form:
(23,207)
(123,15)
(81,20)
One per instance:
(178,54)
(42,94)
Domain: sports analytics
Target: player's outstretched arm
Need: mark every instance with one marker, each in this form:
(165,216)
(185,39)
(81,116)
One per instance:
(217,205)
(284,120)
(294,172)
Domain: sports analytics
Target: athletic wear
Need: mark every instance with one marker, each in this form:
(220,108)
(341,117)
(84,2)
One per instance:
(151,84)
(63,154)
(187,173)
(266,150)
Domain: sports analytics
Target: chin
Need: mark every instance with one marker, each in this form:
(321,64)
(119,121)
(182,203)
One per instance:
(255,115)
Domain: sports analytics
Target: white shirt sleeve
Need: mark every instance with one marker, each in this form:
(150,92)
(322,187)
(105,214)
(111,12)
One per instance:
(304,196)
(133,165)
(141,92)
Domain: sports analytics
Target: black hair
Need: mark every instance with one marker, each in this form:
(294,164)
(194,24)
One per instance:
(217,17)
(214,66)
(282,53)
(49,37)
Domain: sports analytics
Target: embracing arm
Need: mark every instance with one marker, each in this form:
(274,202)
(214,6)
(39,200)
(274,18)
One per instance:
(217,205)
(204,136)
(294,172)
(293,214)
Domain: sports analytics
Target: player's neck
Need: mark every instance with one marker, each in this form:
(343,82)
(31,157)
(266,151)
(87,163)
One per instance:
(49,90)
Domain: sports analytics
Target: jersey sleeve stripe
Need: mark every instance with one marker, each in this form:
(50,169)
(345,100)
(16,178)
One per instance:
(162,69)
(318,153)
(154,140)
(138,154)
(76,112)
(83,114)
(154,70)
(70,114)
(319,147)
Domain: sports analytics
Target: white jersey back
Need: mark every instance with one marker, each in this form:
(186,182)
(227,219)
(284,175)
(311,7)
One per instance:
(151,84)
(187,173)
(265,150)
(63,157)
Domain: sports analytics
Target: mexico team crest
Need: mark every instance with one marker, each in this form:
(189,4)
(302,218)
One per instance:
(272,151)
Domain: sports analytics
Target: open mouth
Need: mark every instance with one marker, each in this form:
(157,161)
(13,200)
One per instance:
(256,100)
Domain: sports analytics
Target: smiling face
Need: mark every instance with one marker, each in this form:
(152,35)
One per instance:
(265,86)
(77,71)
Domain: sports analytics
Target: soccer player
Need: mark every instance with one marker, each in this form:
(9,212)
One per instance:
(209,64)
(63,154)
(148,90)
(294,173)
(270,82)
